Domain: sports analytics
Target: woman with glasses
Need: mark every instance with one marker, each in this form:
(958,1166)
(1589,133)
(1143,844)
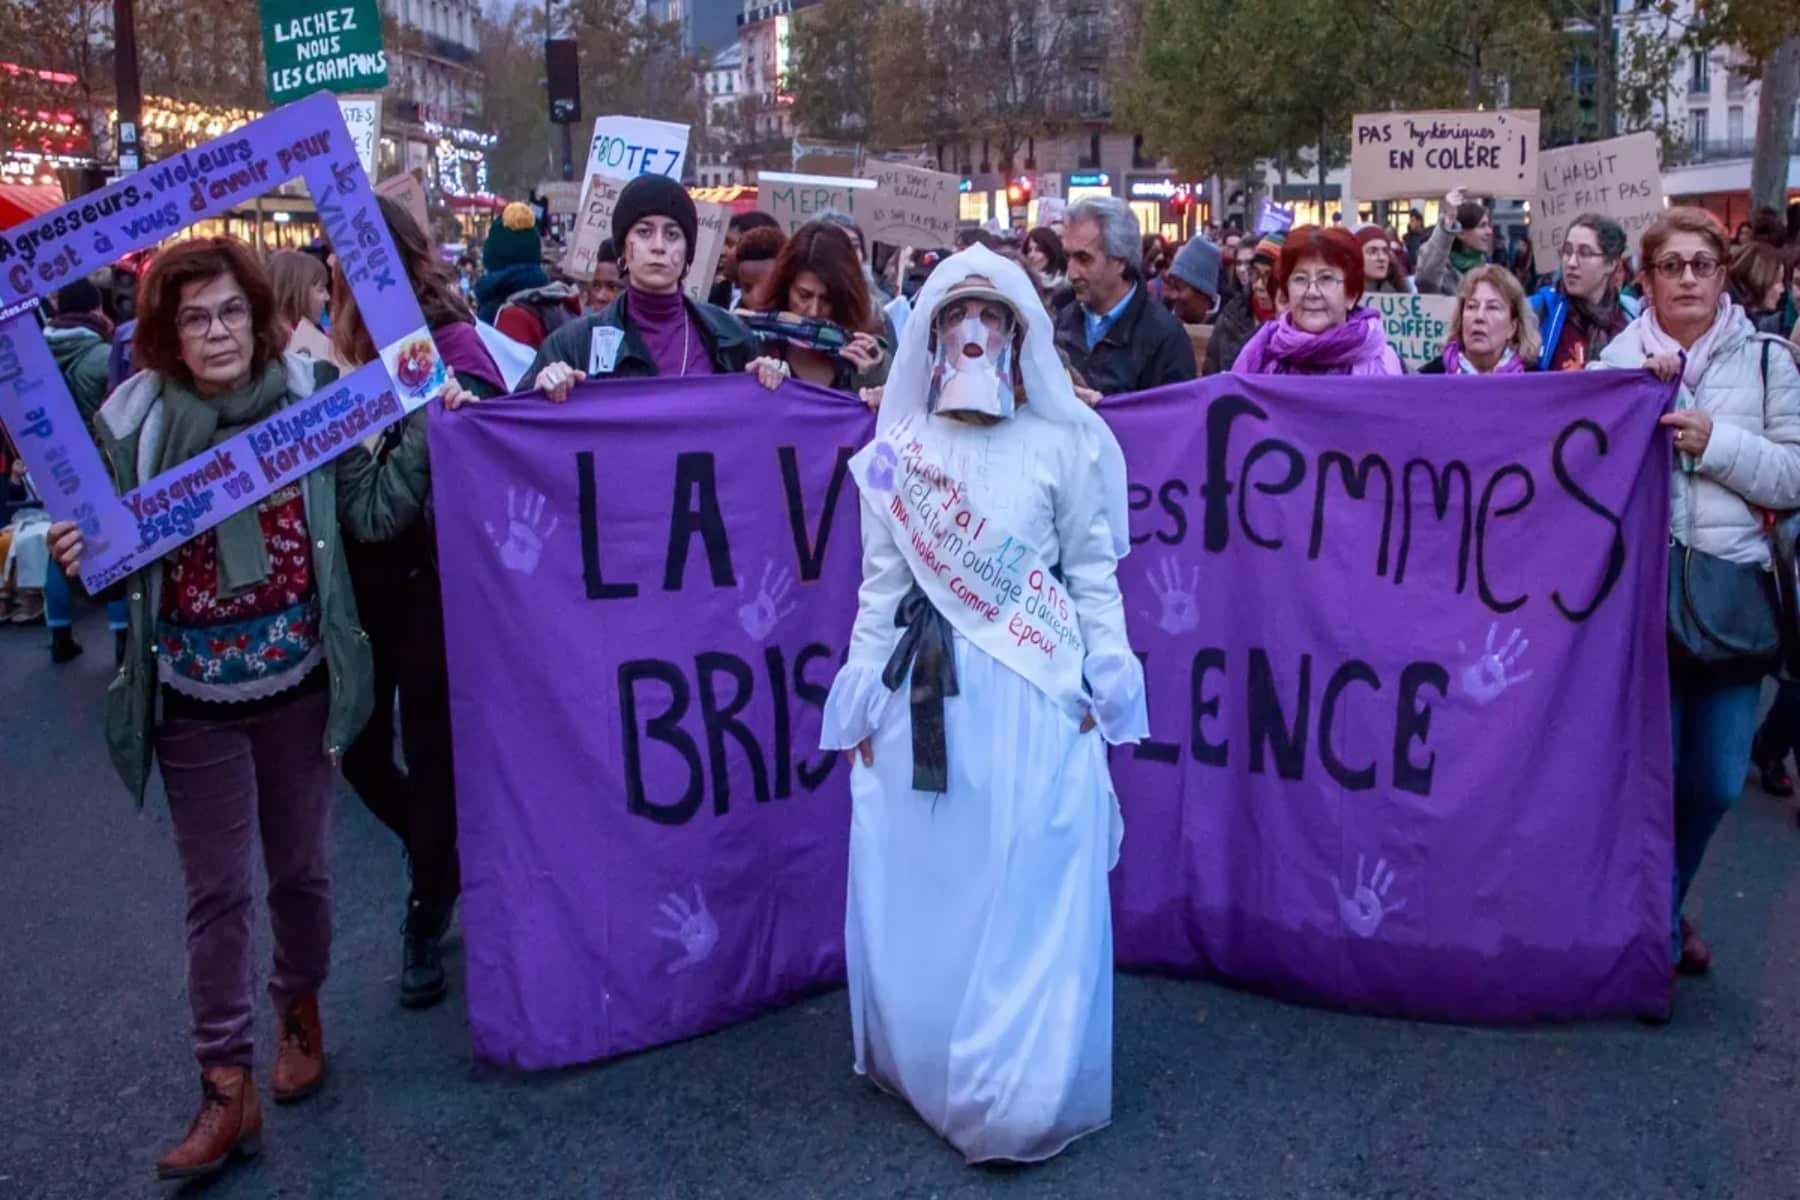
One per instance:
(1585,309)
(1736,427)
(1322,330)
(246,672)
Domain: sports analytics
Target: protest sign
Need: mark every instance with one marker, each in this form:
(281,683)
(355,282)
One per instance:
(362,117)
(1416,326)
(793,200)
(709,243)
(623,147)
(561,199)
(1405,651)
(1273,218)
(666,853)
(406,190)
(910,206)
(123,533)
(1619,178)
(593,225)
(1398,156)
(322,45)
(1050,186)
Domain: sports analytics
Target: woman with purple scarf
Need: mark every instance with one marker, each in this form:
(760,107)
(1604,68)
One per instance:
(1321,331)
(1493,331)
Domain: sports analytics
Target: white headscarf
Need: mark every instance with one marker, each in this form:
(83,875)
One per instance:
(1048,391)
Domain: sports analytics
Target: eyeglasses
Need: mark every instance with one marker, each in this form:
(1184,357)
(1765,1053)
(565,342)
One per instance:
(196,323)
(1579,253)
(1672,267)
(1327,282)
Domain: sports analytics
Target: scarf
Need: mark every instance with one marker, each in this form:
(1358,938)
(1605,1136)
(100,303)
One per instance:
(1597,324)
(1357,347)
(1455,364)
(808,333)
(1465,260)
(195,426)
(1653,339)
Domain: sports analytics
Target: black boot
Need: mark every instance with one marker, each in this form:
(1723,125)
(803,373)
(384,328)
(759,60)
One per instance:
(63,645)
(422,982)
(119,647)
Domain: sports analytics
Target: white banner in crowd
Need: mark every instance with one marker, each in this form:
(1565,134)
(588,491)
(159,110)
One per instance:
(623,147)
(1619,178)
(1402,156)
(362,117)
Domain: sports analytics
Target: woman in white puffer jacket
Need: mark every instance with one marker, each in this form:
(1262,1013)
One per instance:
(1737,451)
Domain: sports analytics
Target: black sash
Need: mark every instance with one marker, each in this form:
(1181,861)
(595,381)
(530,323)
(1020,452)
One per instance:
(925,649)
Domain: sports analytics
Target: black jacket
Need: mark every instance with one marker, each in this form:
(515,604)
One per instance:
(729,343)
(1232,330)
(1145,348)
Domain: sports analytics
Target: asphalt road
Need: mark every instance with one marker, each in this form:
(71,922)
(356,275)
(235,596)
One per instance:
(1216,1093)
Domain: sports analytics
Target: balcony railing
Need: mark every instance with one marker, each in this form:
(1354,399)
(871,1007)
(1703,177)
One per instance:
(1721,150)
(444,48)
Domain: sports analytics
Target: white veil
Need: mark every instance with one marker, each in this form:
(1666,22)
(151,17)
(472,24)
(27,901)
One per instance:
(1048,392)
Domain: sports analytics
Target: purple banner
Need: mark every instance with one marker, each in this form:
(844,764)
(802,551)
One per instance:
(642,630)
(305,140)
(1404,641)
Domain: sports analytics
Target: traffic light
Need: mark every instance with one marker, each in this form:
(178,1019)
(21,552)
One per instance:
(1018,192)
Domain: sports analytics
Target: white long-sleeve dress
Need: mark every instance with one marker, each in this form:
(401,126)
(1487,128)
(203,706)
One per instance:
(979,932)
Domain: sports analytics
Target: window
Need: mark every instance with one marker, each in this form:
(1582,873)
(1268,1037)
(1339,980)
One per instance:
(1087,97)
(1734,126)
(1700,80)
(1697,126)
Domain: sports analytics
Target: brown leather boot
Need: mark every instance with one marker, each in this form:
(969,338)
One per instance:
(228,1126)
(300,1062)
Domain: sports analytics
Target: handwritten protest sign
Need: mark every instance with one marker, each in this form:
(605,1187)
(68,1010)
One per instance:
(910,206)
(1396,156)
(793,200)
(593,225)
(362,117)
(709,243)
(1619,178)
(123,533)
(561,199)
(406,190)
(328,45)
(1416,326)
(623,147)
(1272,217)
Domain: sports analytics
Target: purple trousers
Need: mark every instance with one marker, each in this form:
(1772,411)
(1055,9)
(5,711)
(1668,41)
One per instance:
(229,782)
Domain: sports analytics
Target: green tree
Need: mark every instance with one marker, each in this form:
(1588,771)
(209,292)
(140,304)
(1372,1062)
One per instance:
(1768,34)
(830,70)
(515,104)
(631,63)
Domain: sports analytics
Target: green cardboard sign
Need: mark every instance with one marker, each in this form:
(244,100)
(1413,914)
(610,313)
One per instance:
(312,45)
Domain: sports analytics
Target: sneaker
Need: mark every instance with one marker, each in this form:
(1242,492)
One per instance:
(422,981)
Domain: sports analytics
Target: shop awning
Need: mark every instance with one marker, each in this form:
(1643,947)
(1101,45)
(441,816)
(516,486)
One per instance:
(737,197)
(23,201)
(476,203)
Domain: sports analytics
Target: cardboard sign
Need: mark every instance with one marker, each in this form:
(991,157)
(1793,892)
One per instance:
(910,206)
(1400,156)
(322,45)
(1620,178)
(593,225)
(561,199)
(1416,326)
(362,117)
(708,245)
(793,200)
(1273,218)
(409,192)
(1050,186)
(125,533)
(623,147)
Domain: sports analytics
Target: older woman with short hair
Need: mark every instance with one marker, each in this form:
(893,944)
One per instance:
(1322,330)
(1492,331)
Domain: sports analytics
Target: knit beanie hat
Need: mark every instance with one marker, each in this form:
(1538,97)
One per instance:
(655,196)
(1268,251)
(1371,233)
(1197,265)
(512,241)
(80,296)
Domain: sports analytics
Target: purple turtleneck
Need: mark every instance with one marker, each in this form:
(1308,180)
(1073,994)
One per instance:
(662,320)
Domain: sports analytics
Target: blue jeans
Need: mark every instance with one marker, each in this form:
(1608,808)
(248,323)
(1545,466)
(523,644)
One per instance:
(1714,726)
(59,603)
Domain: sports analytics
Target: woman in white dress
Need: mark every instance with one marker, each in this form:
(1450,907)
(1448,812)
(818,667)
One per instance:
(979,929)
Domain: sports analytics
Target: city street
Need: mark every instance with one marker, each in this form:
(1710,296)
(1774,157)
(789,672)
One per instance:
(1216,1093)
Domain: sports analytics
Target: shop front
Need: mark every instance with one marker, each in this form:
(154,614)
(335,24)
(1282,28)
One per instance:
(1173,208)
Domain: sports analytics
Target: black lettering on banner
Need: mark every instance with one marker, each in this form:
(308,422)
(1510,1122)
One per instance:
(1413,722)
(1356,486)
(1178,511)
(1267,725)
(811,553)
(1440,505)
(1138,499)
(1481,528)
(1151,750)
(784,750)
(1615,558)
(1216,491)
(1296,473)
(1354,671)
(597,588)
(1213,754)
(696,511)
(814,775)
(666,729)
(720,721)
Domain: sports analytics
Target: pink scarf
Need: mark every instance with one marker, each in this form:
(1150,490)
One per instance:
(1653,339)
(1357,347)
(1455,364)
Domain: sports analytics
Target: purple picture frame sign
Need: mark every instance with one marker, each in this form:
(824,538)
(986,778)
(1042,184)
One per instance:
(306,140)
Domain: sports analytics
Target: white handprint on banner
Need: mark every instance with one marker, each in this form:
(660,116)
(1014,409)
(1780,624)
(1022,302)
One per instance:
(692,926)
(771,605)
(526,532)
(1491,672)
(1180,612)
(1367,906)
